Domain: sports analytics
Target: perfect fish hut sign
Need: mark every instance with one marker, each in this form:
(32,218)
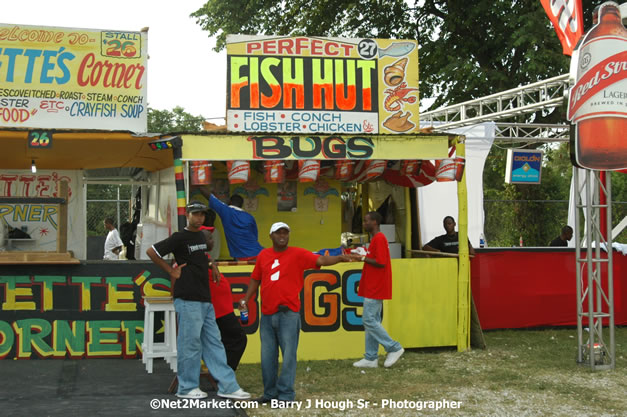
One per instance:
(52,77)
(322,85)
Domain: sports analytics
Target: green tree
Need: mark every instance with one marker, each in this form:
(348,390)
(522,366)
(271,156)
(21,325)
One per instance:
(535,212)
(619,206)
(102,203)
(177,120)
(467,49)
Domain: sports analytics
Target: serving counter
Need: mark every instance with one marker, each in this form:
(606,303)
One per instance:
(94,309)
(532,287)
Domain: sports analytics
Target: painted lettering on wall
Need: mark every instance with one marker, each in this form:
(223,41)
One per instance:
(22,213)
(72,78)
(105,314)
(31,185)
(87,315)
(331,147)
(321,85)
(290,83)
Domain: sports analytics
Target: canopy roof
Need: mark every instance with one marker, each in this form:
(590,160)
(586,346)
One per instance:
(218,146)
(82,149)
(371,155)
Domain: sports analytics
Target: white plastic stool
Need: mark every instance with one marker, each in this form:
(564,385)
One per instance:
(167,348)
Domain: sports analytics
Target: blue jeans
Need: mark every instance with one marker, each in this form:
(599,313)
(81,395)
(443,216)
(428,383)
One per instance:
(281,329)
(375,333)
(199,336)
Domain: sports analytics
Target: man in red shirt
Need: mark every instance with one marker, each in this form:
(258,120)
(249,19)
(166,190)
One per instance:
(375,286)
(279,271)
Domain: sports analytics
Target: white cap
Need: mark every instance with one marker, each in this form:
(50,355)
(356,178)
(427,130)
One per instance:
(279,225)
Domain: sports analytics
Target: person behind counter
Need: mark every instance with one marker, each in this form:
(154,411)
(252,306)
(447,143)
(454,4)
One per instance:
(449,242)
(279,271)
(563,238)
(198,334)
(240,227)
(113,243)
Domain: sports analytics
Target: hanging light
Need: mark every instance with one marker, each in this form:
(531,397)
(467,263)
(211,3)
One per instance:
(33,167)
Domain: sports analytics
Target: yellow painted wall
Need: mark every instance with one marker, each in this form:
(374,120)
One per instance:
(309,229)
(422,312)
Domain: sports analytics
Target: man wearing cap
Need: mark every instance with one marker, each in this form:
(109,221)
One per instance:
(198,334)
(279,271)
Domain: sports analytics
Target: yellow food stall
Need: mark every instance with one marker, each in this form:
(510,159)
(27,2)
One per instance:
(430,304)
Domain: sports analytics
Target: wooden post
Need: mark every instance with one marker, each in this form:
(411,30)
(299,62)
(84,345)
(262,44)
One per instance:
(62,218)
(408,236)
(365,204)
(418,238)
(463,279)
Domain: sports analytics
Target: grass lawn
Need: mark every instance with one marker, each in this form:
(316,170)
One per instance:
(521,373)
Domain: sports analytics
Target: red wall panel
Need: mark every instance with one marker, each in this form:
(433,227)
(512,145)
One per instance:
(515,288)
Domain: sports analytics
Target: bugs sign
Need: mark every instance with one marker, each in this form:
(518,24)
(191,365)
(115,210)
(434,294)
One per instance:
(321,85)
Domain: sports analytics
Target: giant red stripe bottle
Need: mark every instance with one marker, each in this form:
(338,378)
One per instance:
(598,101)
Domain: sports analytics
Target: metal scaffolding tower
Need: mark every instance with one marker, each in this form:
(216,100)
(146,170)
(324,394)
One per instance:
(595,286)
(527,99)
(518,101)
(595,291)
(531,132)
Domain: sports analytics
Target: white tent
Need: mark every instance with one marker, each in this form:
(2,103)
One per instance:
(440,199)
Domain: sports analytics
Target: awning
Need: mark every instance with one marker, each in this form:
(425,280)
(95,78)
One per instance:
(229,147)
(74,149)
(330,150)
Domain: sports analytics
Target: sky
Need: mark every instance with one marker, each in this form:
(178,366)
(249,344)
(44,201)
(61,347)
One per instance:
(183,70)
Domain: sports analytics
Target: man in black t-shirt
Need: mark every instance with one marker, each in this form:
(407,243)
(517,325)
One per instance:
(448,243)
(563,238)
(198,334)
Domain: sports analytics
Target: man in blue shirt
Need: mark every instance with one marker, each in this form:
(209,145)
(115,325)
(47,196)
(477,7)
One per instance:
(240,227)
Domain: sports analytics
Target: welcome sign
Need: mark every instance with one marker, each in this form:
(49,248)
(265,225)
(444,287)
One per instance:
(322,85)
(53,77)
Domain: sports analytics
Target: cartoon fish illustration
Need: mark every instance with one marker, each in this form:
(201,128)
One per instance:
(397,49)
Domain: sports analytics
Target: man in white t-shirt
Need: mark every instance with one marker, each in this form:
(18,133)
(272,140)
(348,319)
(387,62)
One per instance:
(113,243)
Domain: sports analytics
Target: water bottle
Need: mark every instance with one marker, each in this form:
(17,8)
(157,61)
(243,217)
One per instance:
(482,241)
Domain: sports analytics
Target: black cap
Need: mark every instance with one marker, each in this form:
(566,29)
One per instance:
(195,206)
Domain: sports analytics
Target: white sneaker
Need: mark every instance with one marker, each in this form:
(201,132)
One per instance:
(240,394)
(195,393)
(393,357)
(365,363)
